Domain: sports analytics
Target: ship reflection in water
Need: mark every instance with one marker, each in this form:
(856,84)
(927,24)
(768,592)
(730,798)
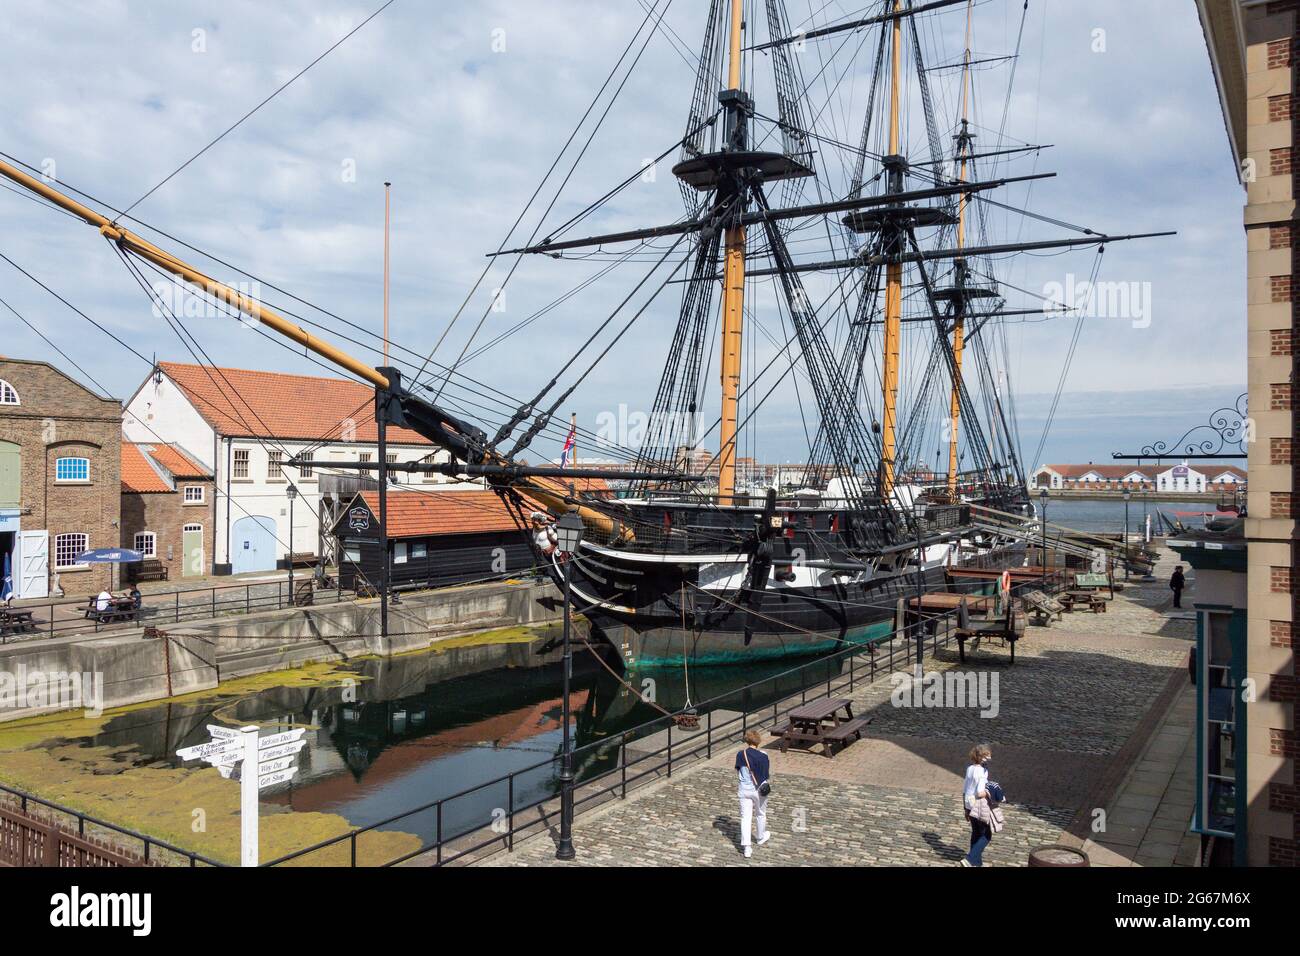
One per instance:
(413,730)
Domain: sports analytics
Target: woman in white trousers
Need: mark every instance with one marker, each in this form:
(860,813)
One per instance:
(753,769)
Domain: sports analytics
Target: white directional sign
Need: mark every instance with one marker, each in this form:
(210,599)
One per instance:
(271,779)
(214,751)
(274,766)
(273,757)
(274,740)
(281,750)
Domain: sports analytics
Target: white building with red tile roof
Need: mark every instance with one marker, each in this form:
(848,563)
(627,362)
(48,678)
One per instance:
(243,425)
(1194,479)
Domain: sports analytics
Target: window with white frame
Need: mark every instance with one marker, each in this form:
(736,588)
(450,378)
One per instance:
(8,394)
(304,471)
(364,457)
(193,495)
(273,460)
(72,469)
(391,458)
(146,542)
(239,467)
(67,547)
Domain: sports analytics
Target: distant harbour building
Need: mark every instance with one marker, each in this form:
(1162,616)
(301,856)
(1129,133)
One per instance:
(1173,479)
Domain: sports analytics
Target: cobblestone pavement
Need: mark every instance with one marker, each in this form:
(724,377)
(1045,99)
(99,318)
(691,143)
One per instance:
(694,820)
(1079,690)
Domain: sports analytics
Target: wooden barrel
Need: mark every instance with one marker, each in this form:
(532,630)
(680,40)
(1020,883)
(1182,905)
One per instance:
(1055,854)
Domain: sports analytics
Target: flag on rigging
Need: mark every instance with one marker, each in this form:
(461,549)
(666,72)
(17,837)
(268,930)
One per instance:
(568,445)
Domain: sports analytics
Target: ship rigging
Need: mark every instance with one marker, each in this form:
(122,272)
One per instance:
(891,323)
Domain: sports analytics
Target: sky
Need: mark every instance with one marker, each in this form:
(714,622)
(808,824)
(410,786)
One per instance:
(463,106)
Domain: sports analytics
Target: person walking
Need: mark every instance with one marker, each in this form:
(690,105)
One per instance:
(975,790)
(1176,584)
(754,771)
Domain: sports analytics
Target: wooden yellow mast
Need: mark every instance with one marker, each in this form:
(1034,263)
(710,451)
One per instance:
(733,309)
(959,321)
(893,290)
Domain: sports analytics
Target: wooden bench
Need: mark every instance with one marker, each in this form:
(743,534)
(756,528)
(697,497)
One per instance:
(841,735)
(301,559)
(150,569)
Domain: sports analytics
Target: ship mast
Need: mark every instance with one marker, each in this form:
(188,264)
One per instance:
(959,320)
(894,278)
(733,307)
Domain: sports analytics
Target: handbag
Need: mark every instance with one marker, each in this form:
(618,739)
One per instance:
(765,787)
(994,791)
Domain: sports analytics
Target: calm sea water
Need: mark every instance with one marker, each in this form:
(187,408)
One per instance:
(1109,515)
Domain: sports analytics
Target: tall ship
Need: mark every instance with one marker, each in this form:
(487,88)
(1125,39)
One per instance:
(895,264)
(867,270)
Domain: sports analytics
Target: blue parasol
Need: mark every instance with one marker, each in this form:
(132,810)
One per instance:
(109,556)
(7,586)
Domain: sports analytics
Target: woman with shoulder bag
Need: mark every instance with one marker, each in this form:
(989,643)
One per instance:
(974,796)
(754,770)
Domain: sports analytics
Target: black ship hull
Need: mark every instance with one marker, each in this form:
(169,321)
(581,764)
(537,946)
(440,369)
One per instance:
(662,609)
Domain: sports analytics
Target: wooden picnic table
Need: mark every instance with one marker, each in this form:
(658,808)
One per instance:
(1094,601)
(16,621)
(119,609)
(821,722)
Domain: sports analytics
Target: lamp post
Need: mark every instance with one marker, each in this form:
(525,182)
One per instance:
(1042,497)
(568,533)
(291,493)
(1127,495)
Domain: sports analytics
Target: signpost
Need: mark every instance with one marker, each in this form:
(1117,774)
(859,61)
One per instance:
(264,762)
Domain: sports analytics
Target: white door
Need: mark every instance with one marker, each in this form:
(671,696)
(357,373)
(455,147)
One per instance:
(33,578)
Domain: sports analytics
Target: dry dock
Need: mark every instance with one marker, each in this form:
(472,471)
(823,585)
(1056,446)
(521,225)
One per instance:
(1092,740)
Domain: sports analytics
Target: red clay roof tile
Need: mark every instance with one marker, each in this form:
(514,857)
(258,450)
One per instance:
(138,475)
(278,405)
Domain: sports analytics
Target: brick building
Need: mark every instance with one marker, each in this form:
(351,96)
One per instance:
(167,507)
(60,484)
(1253,52)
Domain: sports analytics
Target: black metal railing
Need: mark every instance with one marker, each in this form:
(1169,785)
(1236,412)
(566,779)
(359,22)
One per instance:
(158,609)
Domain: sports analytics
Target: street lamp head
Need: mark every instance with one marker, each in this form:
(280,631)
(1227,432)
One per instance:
(291,492)
(568,531)
(1128,495)
(1042,495)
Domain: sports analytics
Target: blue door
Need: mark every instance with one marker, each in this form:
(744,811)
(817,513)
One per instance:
(253,542)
